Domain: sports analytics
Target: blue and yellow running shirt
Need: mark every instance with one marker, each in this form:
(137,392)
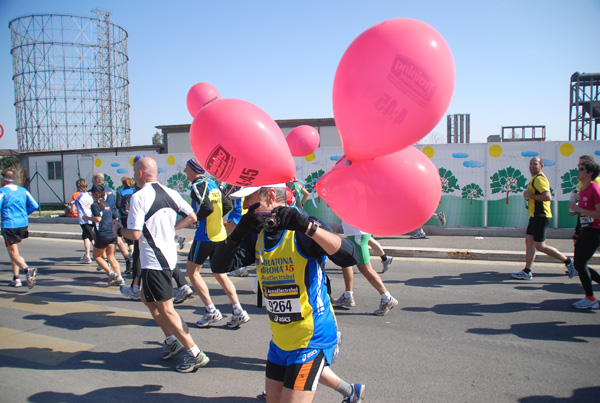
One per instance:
(206,195)
(295,293)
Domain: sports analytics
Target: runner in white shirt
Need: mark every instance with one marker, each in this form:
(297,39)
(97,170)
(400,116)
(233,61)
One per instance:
(152,220)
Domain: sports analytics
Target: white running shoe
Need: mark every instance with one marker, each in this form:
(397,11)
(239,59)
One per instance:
(522,275)
(85,259)
(385,307)
(586,304)
(31,273)
(209,317)
(128,292)
(420,234)
(182,293)
(386,264)
(571,272)
(237,320)
(343,302)
(241,272)
(16,283)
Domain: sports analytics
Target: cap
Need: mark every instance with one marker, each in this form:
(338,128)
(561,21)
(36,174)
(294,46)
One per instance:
(252,189)
(195,166)
(97,189)
(138,157)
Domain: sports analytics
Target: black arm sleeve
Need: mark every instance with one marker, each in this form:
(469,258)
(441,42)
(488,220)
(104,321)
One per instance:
(227,256)
(227,207)
(200,196)
(346,256)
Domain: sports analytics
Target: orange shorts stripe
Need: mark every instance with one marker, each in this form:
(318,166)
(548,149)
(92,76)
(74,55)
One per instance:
(303,376)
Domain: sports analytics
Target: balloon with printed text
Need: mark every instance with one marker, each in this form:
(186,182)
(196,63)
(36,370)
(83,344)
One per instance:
(388,195)
(392,87)
(199,96)
(240,144)
(303,140)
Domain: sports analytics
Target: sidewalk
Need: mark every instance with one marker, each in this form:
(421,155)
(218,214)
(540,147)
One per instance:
(504,244)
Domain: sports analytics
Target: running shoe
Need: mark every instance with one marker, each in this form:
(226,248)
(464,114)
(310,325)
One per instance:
(85,259)
(358,393)
(181,242)
(182,293)
(210,317)
(586,304)
(336,349)
(128,292)
(112,278)
(241,272)
(441,218)
(171,350)
(31,273)
(343,302)
(420,234)
(386,264)
(237,320)
(522,275)
(191,364)
(571,272)
(385,306)
(16,283)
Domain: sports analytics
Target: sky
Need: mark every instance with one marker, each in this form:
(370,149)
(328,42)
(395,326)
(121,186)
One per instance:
(514,59)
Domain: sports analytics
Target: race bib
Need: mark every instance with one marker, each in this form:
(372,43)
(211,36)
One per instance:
(585,221)
(283,303)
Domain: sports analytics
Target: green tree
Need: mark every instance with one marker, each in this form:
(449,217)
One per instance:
(471,191)
(449,181)
(508,180)
(157,139)
(569,181)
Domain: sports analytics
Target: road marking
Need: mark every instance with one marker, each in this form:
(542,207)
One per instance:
(48,350)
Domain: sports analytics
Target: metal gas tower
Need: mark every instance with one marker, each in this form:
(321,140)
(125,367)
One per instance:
(71,82)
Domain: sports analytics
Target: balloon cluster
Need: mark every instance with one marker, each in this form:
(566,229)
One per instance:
(391,88)
(236,141)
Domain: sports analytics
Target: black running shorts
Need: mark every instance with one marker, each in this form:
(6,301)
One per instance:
(537,227)
(102,243)
(201,250)
(87,231)
(156,285)
(14,235)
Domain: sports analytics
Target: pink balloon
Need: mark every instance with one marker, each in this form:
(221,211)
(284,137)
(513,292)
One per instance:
(303,140)
(240,144)
(388,195)
(199,96)
(391,88)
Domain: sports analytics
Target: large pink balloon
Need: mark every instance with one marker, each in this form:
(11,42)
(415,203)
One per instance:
(389,195)
(199,96)
(391,88)
(240,144)
(303,140)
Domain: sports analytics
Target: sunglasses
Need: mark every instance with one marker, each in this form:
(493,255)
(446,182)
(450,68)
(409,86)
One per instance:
(582,168)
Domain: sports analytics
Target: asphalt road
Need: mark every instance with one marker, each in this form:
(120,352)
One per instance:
(464,332)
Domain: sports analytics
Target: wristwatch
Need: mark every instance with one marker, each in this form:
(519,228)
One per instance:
(313,228)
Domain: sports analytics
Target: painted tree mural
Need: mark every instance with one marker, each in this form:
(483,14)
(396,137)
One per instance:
(178,183)
(449,181)
(569,181)
(311,180)
(471,191)
(508,180)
